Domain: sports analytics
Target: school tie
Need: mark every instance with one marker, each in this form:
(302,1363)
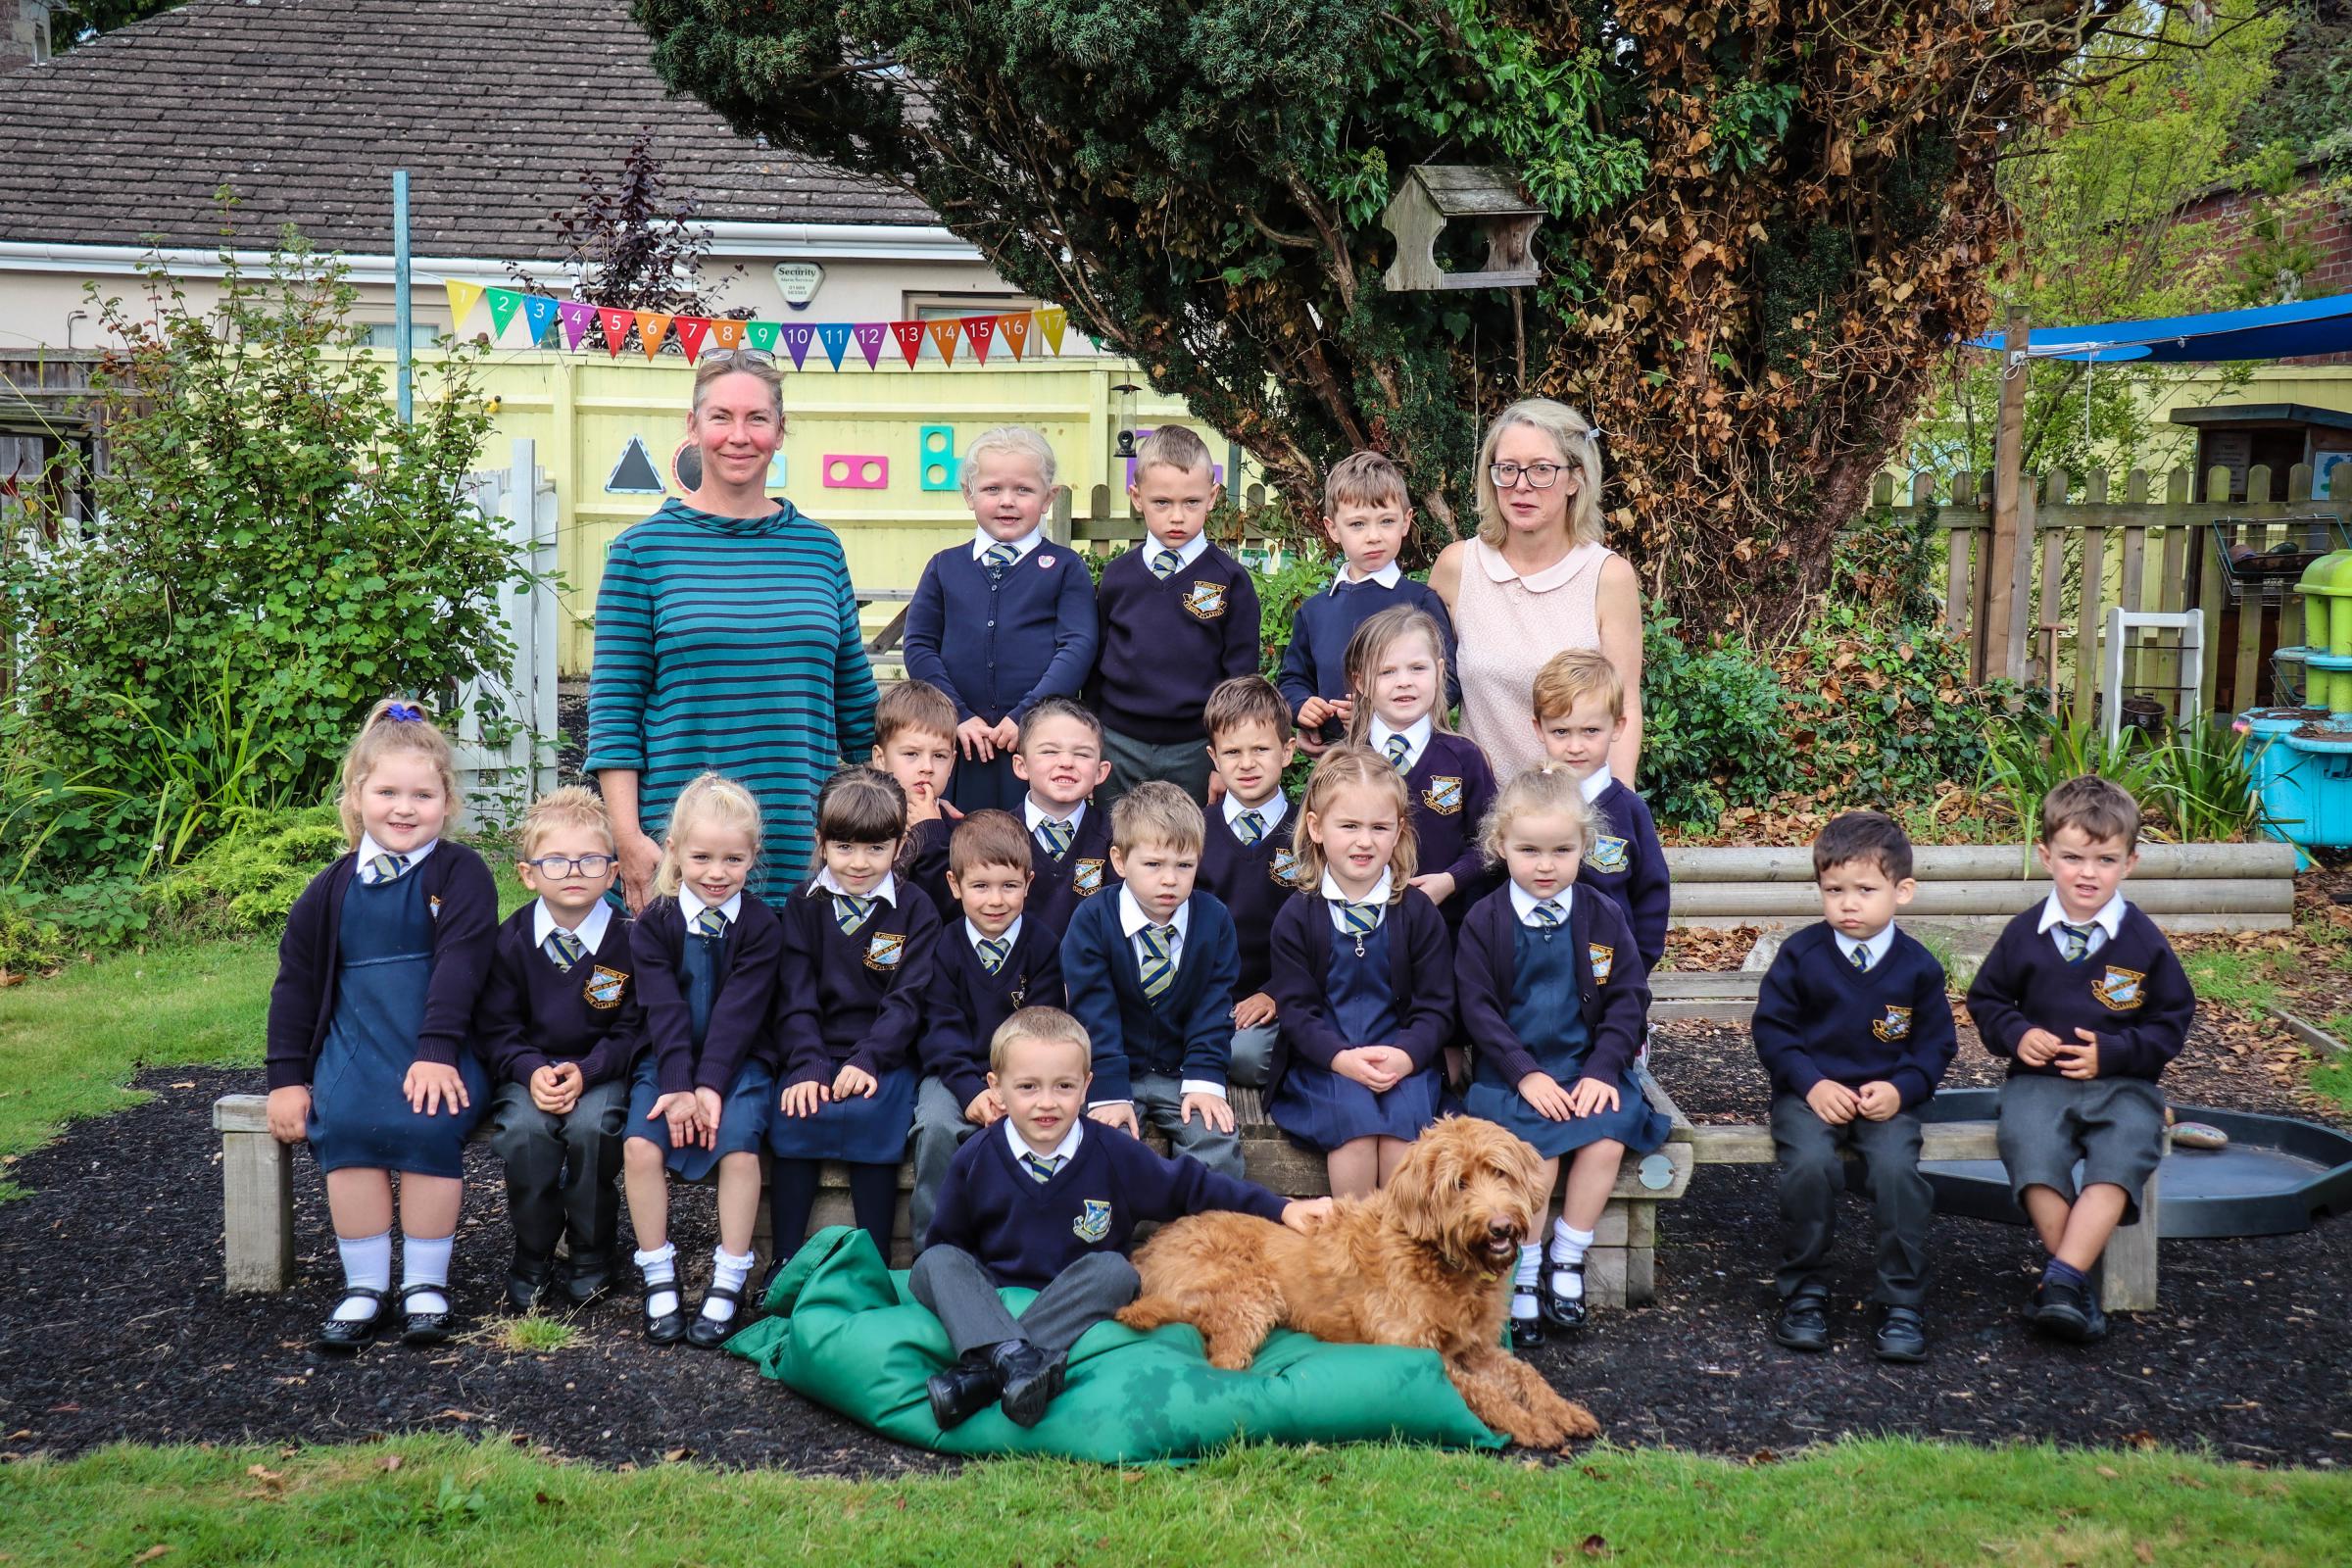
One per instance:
(711,923)
(2074,941)
(1861,957)
(1248,827)
(1549,914)
(386,869)
(1164,563)
(1041,1167)
(1056,837)
(851,912)
(565,949)
(1398,749)
(1158,970)
(1361,919)
(998,557)
(993,951)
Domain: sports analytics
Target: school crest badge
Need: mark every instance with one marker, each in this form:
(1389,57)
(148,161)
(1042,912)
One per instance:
(1086,879)
(1892,1024)
(2120,989)
(1444,796)
(1283,867)
(605,988)
(1205,600)
(1603,959)
(1094,1220)
(884,950)
(432,905)
(1609,857)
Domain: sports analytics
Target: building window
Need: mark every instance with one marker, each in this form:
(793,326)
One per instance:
(380,336)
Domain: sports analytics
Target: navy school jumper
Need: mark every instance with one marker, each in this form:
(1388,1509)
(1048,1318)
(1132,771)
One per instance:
(1818,1017)
(1081,875)
(966,1003)
(1315,665)
(532,1015)
(1451,788)
(1188,1033)
(996,648)
(2132,994)
(1253,883)
(1166,645)
(1628,865)
(853,1000)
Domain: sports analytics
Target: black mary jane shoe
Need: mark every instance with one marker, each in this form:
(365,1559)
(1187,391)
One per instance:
(423,1328)
(527,1280)
(1804,1322)
(587,1279)
(1901,1335)
(1527,1333)
(343,1336)
(969,1385)
(1561,1311)
(670,1327)
(1032,1377)
(709,1333)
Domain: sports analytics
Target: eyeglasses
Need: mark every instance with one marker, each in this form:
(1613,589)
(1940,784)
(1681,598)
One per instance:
(562,866)
(747,355)
(1539,475)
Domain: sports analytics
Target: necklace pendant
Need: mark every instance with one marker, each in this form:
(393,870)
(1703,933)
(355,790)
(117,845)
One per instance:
(1359,944)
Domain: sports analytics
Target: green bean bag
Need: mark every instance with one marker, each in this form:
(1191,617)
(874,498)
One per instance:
(844,1330)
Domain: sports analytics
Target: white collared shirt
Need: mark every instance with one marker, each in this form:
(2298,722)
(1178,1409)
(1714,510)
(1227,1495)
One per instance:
(1334,898)
(369,849)
(1061,1154)
(1416,736)
(1522,904)
(2106,925)
(983,541)
(590,930)
(1186,553)
(1876,946)
(887,890)
(1595,783)
(1271,809)
(1033,813)
(1132,921)
(1388,576)
(690,904)
(1011,936)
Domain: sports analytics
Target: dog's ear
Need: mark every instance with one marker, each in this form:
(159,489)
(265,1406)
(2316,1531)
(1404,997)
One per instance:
(1412,1192)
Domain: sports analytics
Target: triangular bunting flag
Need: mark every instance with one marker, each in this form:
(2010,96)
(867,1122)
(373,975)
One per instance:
(726,335)
(835,336)
(651,328)
(576,316)
(1050,324)
(762,335)
(538,310)
(504,302)
(1014,330)
(796,342)
(945,332)
(871,335)
(909,336)
(460,300)
(978,330)
(616,324)
(692,329)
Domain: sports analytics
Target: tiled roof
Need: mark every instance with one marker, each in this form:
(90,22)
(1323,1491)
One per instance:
(306,107)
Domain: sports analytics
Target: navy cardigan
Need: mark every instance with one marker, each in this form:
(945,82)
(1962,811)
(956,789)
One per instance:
(996,648)
(302,1001)
(1616,1010)
(1188,1033)
(838,1006)
(737,1031)
(532,1013)
(1451,787)
(1420,981)
(966,1003)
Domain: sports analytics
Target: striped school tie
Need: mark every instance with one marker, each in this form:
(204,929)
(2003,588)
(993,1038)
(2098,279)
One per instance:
(1361,919)
(1248,827)
(998,557)
(1041,1167)
(1549,914)
(1861,957)
(1159,970)
(1164,563)
(2073,942)
(564,949)
(851,912)
(711,923)
(993,951)
(1398,749)
(1056,837)
(386,869)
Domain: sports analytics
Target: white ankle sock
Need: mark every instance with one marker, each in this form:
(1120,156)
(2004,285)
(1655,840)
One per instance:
(1568,1249)
(425,1263)
(661,1267)
(1523,1281)
(367,1266)
(728,1270)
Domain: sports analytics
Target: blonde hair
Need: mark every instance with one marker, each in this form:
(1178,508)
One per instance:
(754,363)
(914,704)
(393,724)
(1011,441)
(1567,679)
(710,800)
(1539,789)
(1579,448)
(573,807)
(1173,446)
(1158,812)
(1050,1024)
(1364,479)
(1348,766)
(1371,644)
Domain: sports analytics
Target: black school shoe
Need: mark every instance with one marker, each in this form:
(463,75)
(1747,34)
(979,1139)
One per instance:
(707,1333)
(425,1327)
(343,1336)
(1900,1335)
(968,1386)
(1561,1311)
(1804,1322)
(2065,1311)
(587,1278)
(1527,1333)
(670,1327)
(526,1281)
(1032,1377)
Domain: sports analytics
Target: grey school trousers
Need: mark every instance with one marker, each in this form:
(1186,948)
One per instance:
(951,1282)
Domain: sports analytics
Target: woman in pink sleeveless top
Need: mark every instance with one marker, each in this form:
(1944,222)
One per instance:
(1537,581)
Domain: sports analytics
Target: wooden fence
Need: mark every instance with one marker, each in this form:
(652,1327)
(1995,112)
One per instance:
(2082,550)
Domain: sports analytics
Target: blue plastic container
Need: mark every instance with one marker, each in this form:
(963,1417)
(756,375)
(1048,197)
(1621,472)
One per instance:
(2304,780)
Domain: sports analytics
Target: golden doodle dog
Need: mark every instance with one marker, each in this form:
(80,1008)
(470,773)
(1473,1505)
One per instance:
(1426,1262)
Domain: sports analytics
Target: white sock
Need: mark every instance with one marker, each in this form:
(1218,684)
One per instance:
(730,1271)
(1523,1281)
(1568,1249)
(425,1263)
(661,1267)
(367,1266)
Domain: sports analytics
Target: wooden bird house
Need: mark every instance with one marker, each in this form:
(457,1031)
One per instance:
(1489,200)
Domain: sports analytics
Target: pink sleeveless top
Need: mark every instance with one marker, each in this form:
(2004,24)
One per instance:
(1505,627)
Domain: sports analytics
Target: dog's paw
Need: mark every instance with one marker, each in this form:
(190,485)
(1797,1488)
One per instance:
(1577,1424)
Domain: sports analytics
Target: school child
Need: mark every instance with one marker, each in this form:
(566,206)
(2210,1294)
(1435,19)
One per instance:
(557,1024)
(1554,1001)
(1050,1203)
(1855,1032)
(1367,513)
(2086,999)
(1397,665)
(1060,760)
(1151,973)
(1004,620)
(1173,617)
(378,977)
(915,743)
(1580,711)
(1247,859)
(706,954)
(858,946)
(1363,971)
(993,959)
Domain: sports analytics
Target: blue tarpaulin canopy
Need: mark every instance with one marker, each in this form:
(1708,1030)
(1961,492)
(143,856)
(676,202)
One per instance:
(2288,331)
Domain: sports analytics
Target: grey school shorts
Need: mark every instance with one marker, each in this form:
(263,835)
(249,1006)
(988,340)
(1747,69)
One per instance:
(2113,1128)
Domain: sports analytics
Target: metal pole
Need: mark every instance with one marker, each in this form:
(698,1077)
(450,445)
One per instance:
(400,295)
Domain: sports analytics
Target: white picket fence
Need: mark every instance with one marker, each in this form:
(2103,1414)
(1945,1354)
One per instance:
(499,781)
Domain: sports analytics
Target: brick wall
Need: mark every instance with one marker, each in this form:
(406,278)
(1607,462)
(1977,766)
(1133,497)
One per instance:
(2327,230)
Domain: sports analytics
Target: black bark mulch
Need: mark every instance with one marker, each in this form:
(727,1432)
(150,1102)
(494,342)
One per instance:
(114,1325)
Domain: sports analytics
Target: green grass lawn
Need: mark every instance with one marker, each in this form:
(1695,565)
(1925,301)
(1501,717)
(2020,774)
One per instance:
(439,1501)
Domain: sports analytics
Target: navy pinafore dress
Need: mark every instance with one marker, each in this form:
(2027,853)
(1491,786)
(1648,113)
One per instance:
(743,1110)
(1548,1015)
(360,1118)
(1322,1110)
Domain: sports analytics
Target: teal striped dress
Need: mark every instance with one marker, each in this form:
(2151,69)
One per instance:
(730,643)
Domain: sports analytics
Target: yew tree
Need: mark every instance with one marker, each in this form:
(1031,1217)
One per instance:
(1766,218)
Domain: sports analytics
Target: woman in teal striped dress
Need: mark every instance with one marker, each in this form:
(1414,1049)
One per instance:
(726,638)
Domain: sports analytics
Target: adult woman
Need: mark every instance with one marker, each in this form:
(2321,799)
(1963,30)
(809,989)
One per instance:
(726,638)
(1537,581)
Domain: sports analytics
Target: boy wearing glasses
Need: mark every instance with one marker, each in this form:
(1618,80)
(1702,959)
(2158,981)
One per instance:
(557,1025)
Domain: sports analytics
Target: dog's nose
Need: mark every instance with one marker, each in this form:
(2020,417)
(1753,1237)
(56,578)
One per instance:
(1503,1230)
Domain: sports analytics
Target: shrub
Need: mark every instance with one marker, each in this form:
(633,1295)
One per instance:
(245,880)
(1711,726)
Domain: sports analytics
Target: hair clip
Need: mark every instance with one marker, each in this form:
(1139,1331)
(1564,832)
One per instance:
(404,713)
